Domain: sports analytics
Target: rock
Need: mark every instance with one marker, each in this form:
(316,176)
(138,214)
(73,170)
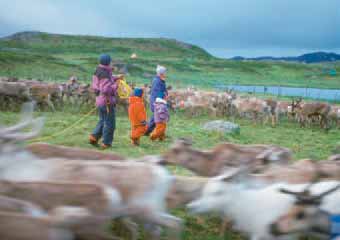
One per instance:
(222,126)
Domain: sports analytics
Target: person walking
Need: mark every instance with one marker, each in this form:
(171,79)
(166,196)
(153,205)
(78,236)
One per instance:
(105,86)
(137,116)
(161,118)
(158,87)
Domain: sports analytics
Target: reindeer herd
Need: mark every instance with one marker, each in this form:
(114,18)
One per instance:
(48,96)
(52,96)
(63,193)
(228,103)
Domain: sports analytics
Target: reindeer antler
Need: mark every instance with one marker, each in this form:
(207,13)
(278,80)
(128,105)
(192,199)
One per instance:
(306,197)
(185,141)
(13,134)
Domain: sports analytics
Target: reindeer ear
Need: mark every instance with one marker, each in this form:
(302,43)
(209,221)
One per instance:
(234,174)
(183,142)
(264,155)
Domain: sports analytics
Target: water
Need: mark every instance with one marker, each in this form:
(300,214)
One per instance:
(313,93)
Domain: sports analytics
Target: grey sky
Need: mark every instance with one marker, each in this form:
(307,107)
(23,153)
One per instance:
(224,27)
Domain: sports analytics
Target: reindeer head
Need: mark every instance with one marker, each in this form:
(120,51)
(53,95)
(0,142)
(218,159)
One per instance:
(302,215)
(180,153)
(296,105)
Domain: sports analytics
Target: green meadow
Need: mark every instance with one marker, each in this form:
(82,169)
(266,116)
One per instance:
(57,57)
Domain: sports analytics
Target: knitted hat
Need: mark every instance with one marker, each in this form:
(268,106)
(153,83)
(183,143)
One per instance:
(138,92)
(160,70)
(105,59)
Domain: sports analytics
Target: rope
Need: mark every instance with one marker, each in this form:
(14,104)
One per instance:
(65,130)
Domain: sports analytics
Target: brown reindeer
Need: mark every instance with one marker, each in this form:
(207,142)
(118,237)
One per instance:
(184,190)
(50,196)
(224,156)
(307,111)
(253,106)
(48,151)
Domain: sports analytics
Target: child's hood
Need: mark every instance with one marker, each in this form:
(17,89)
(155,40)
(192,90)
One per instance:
(134,99)
(160,100)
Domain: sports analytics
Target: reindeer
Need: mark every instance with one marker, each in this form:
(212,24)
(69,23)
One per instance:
(307,215)
(184,190)
(252,206)
(62,223)
(147,196)
(48,151)
(283,109)
(272,112)
(334,115)
(307,111)
(50,196)
(224,156)
(46,94)
(253,106)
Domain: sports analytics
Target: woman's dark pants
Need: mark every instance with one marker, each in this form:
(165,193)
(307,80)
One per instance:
(106,126)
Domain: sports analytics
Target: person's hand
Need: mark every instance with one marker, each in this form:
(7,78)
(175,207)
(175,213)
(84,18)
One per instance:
(120,76)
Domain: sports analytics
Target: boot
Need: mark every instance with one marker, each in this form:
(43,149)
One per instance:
(104,146)
(135,142)
(93,140)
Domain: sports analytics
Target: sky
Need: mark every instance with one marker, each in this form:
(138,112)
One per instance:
(225,28)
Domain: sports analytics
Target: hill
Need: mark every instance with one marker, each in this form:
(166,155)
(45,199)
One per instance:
(315,57)
(55,57)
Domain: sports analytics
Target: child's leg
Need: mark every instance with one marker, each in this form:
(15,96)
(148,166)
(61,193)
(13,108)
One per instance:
(162,137)
(137,132)
(158,132)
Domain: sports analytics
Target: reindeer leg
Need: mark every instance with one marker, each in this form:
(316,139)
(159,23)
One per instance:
(273,120)
(153,230)
(166,220)
(225,224)
(50,103)
(132,227)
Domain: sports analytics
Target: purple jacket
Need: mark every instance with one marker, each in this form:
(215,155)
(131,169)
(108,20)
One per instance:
(158,86)
(105,86)
(161,113)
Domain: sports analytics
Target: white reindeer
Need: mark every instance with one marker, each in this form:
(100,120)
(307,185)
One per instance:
(254,209)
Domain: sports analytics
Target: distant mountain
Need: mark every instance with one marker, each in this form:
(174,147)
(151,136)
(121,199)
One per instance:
(315,57)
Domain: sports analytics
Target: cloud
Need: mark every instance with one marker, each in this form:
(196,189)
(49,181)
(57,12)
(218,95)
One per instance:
(223,26)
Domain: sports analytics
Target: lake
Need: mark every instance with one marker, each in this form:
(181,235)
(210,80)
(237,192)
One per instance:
(313,93)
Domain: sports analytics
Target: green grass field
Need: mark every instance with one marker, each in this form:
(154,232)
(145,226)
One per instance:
(56,57)
(306,143)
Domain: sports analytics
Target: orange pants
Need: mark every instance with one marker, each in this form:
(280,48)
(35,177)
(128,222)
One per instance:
(138,131)
(158,132)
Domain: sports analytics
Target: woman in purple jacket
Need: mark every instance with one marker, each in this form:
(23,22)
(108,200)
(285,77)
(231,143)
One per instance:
(105,86)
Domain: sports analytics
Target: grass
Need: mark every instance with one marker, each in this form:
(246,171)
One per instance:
(54,57)
(306,143)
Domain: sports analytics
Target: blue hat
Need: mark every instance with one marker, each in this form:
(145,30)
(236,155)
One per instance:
(138,92)
(161,95)
(105,59)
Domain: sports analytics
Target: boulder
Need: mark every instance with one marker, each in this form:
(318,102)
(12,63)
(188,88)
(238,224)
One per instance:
(222,126)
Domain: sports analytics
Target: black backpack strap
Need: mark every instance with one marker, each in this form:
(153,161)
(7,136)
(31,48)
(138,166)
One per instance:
(102,73)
